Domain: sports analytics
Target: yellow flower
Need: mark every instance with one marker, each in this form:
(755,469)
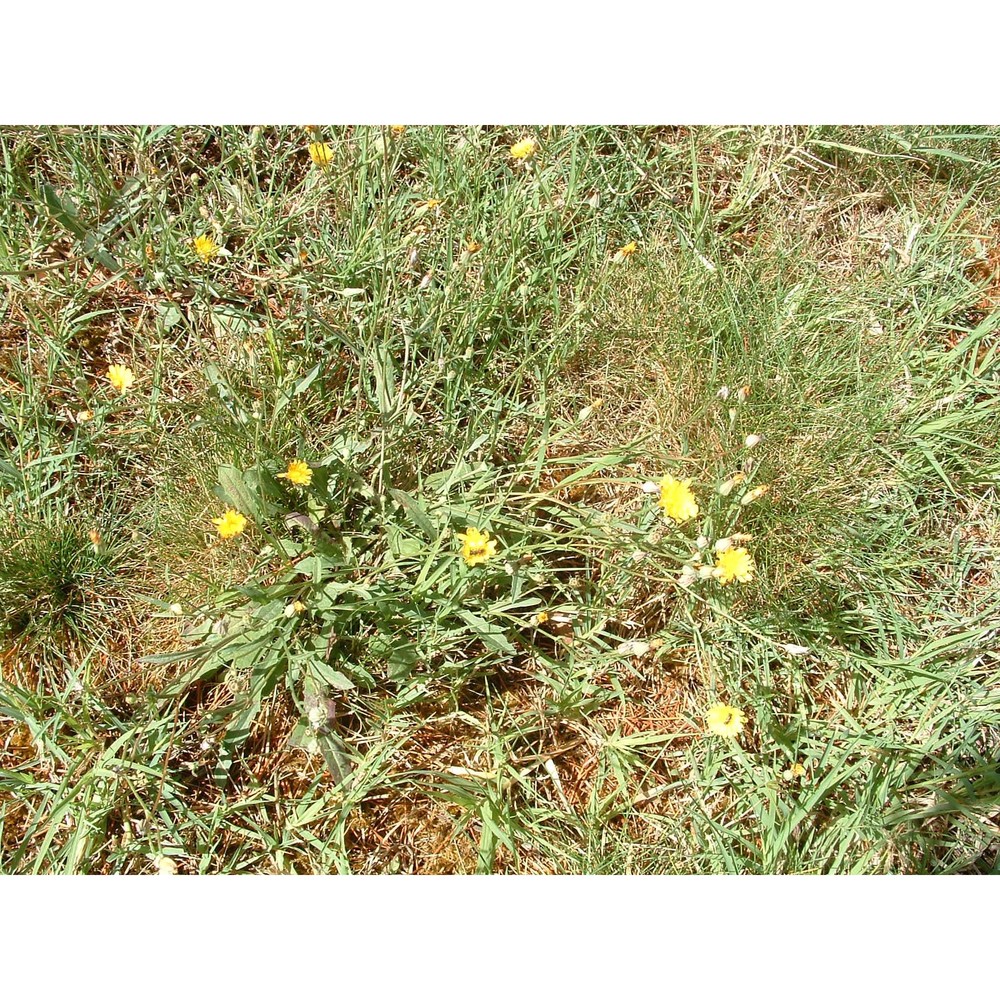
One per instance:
(321,153)
(477,547)
(734,564)
(677,500)
(430,203)
(524,150)
(473,246)
(397,130)
(82,416)
(206,248)
(121,377)
(724,720)
(298,473)
(230,524)
(627,251)
(541,618)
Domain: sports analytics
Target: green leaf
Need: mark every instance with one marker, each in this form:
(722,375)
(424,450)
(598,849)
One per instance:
(170,314)
(234,489)
(416,513)
(63,211)
(324,673)
(202,672)
(491,635)
(401,660)
(9,474)
(236,735)
(336,755)
(403,546)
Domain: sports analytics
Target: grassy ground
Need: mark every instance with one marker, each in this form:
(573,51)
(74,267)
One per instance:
(454,340)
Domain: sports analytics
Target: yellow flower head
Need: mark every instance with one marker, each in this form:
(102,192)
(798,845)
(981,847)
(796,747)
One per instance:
(677,500)
(627,251)
(121,377)
(734,564)
(230,524)
(321,153)
(477,547)
(524,150)
(724,720)
(298,473)
(473,246)
(206,248)
(397,130)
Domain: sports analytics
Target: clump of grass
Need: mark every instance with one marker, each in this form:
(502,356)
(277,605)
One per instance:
(60,584)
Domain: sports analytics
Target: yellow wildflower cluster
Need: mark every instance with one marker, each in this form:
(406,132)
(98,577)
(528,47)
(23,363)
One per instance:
(732,563)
